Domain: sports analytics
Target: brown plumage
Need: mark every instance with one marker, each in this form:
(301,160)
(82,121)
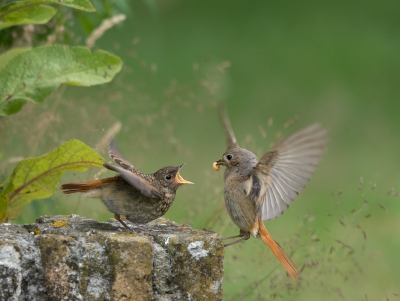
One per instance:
(140,197)
(85,186)
(260,190)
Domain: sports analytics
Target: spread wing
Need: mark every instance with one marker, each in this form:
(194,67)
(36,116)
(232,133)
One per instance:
(117,157)
(226,124)
(284,171)
(139,182)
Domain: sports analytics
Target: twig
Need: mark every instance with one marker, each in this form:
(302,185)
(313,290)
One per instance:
(111,133)
(105,25)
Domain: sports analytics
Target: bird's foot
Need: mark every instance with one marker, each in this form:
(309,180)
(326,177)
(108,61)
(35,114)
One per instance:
(245,235)
(144,229)
(230,237)
(150,232)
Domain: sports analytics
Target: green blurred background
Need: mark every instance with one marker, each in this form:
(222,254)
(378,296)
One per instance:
(278,66)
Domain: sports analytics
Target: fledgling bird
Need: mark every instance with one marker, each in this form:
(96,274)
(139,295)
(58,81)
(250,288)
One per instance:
(141,198)
(260,190)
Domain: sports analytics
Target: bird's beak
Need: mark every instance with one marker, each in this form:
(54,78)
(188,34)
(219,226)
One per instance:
(221,162)
(178,179)
(217,163)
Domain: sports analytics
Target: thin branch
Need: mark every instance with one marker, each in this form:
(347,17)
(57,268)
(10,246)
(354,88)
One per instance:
(105,25)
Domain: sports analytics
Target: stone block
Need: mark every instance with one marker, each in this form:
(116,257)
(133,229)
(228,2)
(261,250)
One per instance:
(76,258)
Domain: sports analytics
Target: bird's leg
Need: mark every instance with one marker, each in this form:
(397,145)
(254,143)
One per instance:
(230,237)
(241,234)
(118,218)
(144,229)
(245,235)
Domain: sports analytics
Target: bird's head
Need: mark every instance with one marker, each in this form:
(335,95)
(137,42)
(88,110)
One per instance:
(239,159)
(169,177)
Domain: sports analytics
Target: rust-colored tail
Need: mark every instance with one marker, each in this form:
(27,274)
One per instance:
(85,186)
(287,263)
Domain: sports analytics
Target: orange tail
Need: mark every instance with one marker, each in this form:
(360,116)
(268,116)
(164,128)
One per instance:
(85,186)
(287,263)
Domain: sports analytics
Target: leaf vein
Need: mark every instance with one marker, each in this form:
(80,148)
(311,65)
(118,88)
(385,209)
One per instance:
(17,191)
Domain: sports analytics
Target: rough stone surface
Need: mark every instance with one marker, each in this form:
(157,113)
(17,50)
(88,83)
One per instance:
(76,258)
(21,271)
(196,261)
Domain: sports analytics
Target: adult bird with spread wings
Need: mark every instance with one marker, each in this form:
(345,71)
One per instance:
(260,190)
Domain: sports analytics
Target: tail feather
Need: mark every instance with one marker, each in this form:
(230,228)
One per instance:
(85,186)
(286,262)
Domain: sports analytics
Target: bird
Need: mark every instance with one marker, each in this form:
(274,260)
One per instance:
(136,197)
(260,190)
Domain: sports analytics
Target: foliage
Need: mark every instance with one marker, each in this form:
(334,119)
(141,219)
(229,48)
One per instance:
(35,11)
(36,178)
(9,55)
(34,74)
(38,14)
(105,9)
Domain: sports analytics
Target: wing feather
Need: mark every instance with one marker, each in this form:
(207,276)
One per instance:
(277,199)
(140,183)
(273,201)
(269,209)
(294,174)
(226,124)
(288,168)
(118,158)
(277,205)
(287,194)
(296,184)
(297,167)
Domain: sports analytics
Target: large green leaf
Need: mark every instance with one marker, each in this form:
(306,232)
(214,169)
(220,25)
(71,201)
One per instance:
(35,14)
(36,178)
(34,74)
(9,55)
(17,10)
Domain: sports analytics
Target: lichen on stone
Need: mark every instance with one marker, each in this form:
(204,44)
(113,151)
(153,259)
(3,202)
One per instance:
(59,224)
(196,249)
(76,258)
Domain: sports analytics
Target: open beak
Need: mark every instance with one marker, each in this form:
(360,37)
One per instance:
(178,179)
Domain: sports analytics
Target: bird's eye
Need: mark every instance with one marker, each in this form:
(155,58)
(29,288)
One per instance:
(168,177)
(229,157)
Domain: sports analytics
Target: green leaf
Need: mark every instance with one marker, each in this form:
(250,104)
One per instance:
(33,75)
(9,55)
(37,178)
(19,10)
(36,14)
